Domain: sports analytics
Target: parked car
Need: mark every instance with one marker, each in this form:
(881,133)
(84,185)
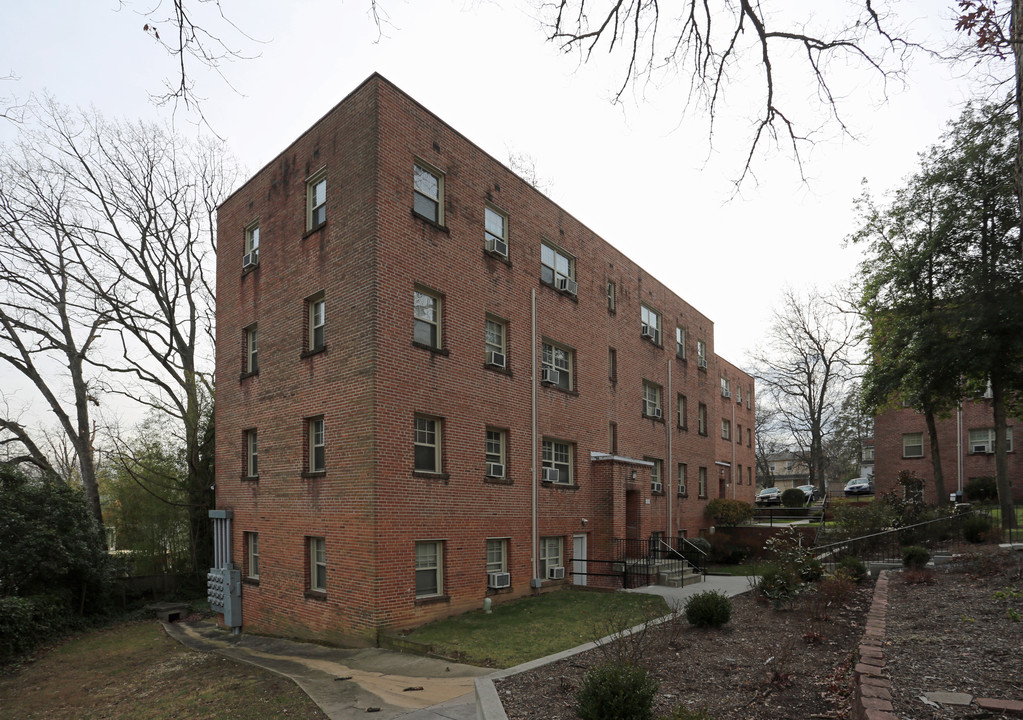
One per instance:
(859,486)
(810,491)
(769,496)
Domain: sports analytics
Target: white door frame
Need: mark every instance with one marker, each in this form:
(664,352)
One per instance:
(579,559)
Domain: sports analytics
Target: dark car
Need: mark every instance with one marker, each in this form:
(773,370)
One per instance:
(810,491)
(769,496)
(859,486)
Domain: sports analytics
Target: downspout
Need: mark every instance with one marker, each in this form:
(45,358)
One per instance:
(668,464)
(534,542)
(732,473)
(959,444)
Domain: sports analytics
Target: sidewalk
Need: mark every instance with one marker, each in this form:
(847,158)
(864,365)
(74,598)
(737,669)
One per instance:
(346,683)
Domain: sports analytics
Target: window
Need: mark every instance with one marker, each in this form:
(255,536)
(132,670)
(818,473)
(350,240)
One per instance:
(738,434)
(495,230)
(726,429)
(557,268)
(251,257)
(682,411)
(749,437)
(252,555)
(550,555)
(427,319)
(749,397)
(317,446)
(317,564)
(983,440)
(612,364)
(251,454)
(557,462)
(557,361)
(703,482)
(612,431)
(497,555)
(701,354)
(656,475)
(680,343)
(427,444)
(701,419)
(651,399)
(429,568)
(683,478)
(496,332)
(749,475)
(651,324)
(913,445)
(868,453)
(726,388)
(612,298)
(250,364)
(738,394)
(316,307)
(427,198)
(316,200)
(495,453)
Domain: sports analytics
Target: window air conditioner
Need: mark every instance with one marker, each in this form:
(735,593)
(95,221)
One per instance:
(250,259)
(682,490)
(496,245)
(980,448)
(495,470)
(551,474)
(726,393)
(648,332)
(656,487)
(550,375)
(556,573)
(568,285)
(498,580)
(495,358)
(702,362)
(656,412)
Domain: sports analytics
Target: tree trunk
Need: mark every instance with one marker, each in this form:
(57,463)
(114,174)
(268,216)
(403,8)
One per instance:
(1001,455)
(1016,30)
(939,476)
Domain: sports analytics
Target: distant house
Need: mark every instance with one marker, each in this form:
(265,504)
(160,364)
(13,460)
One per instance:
(788,470)
(867,458)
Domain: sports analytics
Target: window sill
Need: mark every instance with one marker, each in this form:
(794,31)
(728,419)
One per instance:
(702,434)
(499,591)
(250,478)
(312,351)
(498,481)
(551,386)
(498,256)
(431,222)
(681,358)
(431,348)
(320,595)
(559,486)
(249,270)
(247,375)
(313,474)
(433,600)
(559,291)
(683,495)
(683,428)
(654,418)
(702,497)
(313,231)
(655,493)
(425,474)
(251,581)
(497,369)
(652,341)
(701,368)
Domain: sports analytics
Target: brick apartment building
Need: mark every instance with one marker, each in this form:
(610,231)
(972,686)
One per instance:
(435,385)
(966,441)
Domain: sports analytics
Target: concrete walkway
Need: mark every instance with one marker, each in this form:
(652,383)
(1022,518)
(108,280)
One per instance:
(346,684)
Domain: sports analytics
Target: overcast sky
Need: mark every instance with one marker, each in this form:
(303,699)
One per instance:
(636,173)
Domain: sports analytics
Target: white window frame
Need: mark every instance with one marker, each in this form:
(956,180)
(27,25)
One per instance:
(316,200)
(559,455)
(701,419)
(986,437)
(495,337)
(428,432)
(726,387)
(559,357)
(682,411)
(497,555)
(680,342)
(656,474)
(563,267)
(252,555)
(317,564)
(491,215)
(612,296)
(495,449)
(252,238)
(427,309)
(317,444)
(906,445)
(652,319)
(726,429)
(651,399)
(252,349)
(429,560)
(701,354)
(424,196)
(251,453)
(317,321)
(868,453)
(552,553)
(703,482)
(683,478)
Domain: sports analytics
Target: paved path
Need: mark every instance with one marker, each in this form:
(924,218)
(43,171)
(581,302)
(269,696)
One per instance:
(346,684)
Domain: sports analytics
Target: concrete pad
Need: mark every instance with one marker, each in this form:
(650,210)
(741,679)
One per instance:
(949,698)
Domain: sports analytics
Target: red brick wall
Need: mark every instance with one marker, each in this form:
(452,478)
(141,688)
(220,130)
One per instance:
(371,381)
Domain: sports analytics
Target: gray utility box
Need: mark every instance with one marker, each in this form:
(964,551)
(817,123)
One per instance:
(224,592)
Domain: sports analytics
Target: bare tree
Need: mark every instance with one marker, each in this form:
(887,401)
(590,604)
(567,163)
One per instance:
(804,369)
(768,440)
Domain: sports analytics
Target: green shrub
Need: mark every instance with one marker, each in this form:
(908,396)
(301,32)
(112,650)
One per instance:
(728,513)
(977,529)
(854,567)
(778,584)
(616,691)
(25,621)
(981,489)
(683,713)
(708,609)
(811,570)
(914,556)
(793,498)
(728,554)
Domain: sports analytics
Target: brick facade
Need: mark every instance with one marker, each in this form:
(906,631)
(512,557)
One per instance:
(890,455)
(371,381)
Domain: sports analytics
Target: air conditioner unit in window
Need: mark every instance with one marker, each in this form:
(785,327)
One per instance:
(550,375)
(495,470)
(726,393)
(551,474)
(655,412)
(702,362)
(656,487)
(250,259)
(648,332)
(498,580)
(682,490)
(556,573)
(980,448)
(495,358)
(496,245)
(568,285)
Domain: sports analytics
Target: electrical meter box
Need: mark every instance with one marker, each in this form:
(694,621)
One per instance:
(224,592)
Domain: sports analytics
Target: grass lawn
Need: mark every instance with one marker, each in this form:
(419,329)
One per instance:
(135,672)
(741,570)
(533,627)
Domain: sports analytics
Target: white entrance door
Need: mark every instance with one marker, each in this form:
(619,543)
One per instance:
(579,559)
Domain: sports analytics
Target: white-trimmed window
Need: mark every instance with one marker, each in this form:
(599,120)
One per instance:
(656,475)
(749,397)
(251,246)
(701,354)
(912,445)
(612,433)
(651,399)
(318,564)
(495,230)
(429,568)
(612,364)
(726,429)
(251,454)
(557,267)
(749,475)
(701,419)
(427,307)
(557,360)
(316,200)
(683,411)
(680,343)
(316,308)
(683,479)
(612,296)
(250,363)
(496,338)
(317,448)
(252,555)
(650,324)
(703,482)
(427,444)
(497,555)
(738,394)
(551,554)
(558,462)
(726,388)
(982,440)
(428,193)
(496,446)
(868,453)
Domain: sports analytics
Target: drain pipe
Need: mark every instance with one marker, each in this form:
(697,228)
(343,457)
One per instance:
(533,540)
(731,472)
(668,464)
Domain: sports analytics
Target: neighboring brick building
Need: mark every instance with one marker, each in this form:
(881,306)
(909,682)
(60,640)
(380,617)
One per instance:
(387,292)
(965,440)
